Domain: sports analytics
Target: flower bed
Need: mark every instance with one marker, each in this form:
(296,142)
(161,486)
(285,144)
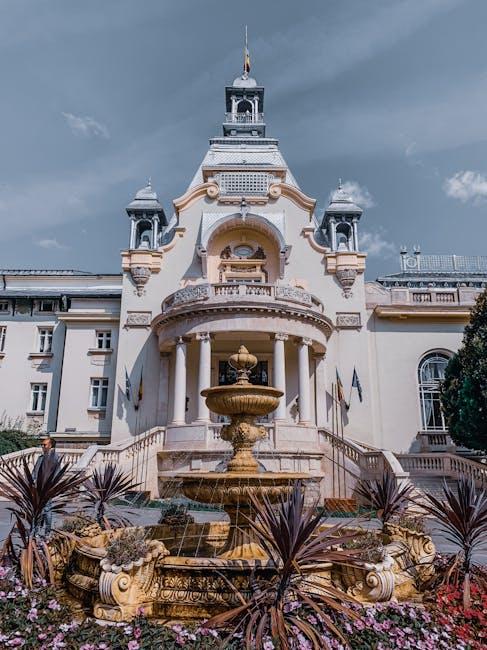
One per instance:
(37,619)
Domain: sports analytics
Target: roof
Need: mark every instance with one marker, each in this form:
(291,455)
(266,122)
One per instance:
(61,272)
(145,199)
(437,270)
(341,203)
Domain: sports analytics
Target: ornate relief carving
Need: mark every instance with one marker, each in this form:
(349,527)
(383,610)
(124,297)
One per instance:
(140,276)
(346,277)
(138,319)
(293,294)
(348,319)
(123,590)
(191,294)
(371,583)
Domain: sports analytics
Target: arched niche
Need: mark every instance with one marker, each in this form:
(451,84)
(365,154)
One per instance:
(240,251)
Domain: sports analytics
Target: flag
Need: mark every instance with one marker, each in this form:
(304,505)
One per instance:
(340,391)
(128,386)
(246,62)
(246,67)
(356,384)
(140,392)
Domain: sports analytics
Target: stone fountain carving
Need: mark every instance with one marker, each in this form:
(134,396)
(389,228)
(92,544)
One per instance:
(243,402)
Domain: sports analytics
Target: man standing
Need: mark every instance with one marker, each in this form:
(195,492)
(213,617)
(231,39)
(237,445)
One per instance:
(47,463)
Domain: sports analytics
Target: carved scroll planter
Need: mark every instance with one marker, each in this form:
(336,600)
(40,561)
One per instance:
(420,548)
(369,583)
(125,590)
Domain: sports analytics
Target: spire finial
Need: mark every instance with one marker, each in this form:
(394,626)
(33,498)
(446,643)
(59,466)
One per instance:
(246,65)
(149,181)
(339,183)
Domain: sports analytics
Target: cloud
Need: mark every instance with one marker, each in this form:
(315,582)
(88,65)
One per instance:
(375,245)
(359,194)
(51,243)
(86,126)
(466,186)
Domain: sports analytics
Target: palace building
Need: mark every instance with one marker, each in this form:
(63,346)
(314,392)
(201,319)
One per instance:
(242,257)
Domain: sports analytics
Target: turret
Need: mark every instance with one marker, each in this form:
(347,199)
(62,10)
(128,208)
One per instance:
(340,221)
(147,219)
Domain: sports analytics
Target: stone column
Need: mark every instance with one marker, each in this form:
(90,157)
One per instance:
(333,234)
(304,382)
(204,374)
(132,234)
(155,231)
(179,384)
(280,373)
(320,389)
(355,235)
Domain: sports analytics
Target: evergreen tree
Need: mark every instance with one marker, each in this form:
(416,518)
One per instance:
(464,389)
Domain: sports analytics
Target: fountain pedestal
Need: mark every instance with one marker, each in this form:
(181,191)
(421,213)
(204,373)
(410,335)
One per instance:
(232,489)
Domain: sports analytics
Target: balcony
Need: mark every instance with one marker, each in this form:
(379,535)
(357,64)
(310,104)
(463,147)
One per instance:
(244,118)
(245,292)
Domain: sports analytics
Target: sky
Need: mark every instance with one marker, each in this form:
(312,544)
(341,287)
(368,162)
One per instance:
(389,95)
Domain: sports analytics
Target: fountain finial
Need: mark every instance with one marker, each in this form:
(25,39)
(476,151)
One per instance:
(243,362)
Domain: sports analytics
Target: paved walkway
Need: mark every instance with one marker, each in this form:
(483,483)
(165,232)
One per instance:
(148,516)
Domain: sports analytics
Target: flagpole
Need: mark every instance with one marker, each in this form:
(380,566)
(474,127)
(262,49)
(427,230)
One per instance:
(343,450)
(333,441)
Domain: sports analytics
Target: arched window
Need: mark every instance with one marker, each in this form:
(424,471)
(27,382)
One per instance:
(244,106)
(431,372)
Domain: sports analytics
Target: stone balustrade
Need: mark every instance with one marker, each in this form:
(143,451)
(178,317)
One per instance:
(445,465)
(253,291)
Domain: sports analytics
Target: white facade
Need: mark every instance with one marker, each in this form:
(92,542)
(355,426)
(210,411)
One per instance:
(243,260)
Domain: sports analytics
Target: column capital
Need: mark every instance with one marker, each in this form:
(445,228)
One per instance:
(180,340)
(280,336)
(203,336)
(305,341)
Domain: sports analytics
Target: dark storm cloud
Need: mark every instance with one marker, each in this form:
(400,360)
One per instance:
(388,94)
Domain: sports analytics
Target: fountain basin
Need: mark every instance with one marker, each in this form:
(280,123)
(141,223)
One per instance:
(247,399)
(233,491)
(235,488)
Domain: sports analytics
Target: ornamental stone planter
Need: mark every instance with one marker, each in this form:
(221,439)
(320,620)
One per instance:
(421,549)
(125,590)
(369,583)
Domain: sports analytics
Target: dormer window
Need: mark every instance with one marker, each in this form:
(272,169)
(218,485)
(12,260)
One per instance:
(46,305)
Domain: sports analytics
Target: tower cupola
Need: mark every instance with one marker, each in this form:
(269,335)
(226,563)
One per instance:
(340,221)
(244,104)
(147,219)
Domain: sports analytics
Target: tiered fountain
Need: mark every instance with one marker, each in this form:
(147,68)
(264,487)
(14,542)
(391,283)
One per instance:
(243,402)
(203,569)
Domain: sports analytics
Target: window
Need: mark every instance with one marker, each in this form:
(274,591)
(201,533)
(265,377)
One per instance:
(38,398)
(4,306)
(228,375)
(3,334)
(104,339)
(431,372)
(243,250)
(99,393)
(45,340)
(46,305)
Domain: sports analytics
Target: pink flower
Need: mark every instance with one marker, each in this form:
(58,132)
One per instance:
(133,645)
(54,605)
(32,615)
